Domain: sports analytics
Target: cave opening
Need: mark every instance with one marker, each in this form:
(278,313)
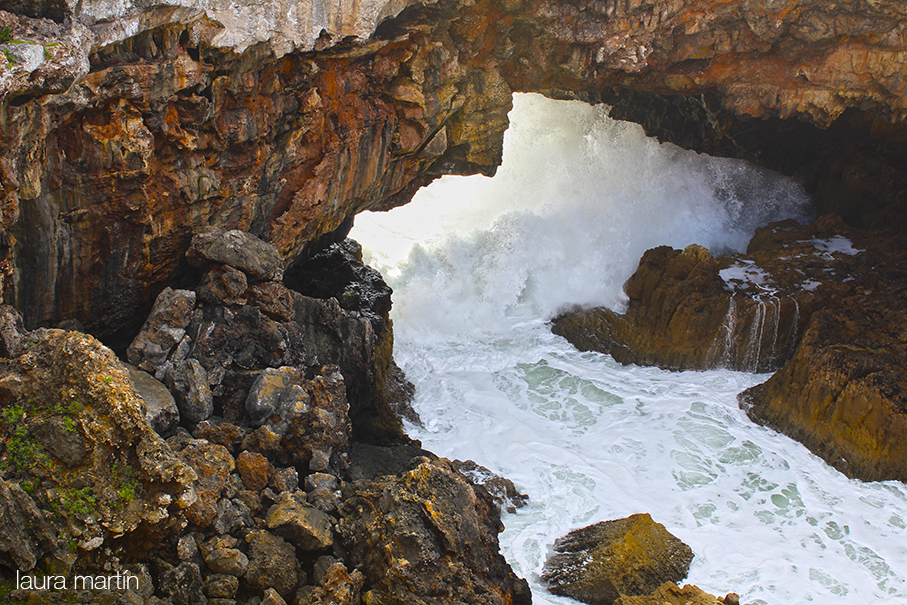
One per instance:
(479,266)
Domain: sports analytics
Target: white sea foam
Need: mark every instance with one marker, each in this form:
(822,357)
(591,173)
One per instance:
(478,266)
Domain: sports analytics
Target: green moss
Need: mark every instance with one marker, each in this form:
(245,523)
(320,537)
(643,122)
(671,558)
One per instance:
(78,501)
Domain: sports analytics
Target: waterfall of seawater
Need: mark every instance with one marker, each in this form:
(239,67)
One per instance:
(479,265)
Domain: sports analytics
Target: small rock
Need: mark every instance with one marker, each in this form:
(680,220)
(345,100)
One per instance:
(324,500)
(303,525)
(272,598)
(321,567)
(223,286)
(221,586)
(272,563)
(186,548)
(254,469)
(12,331)
(274,300)
(217,430)
(227,561)
(183,584)
(164,329)
(248,253)
(160,407)
(501,489)
(213,465)
(232,514)
(263,440)
(285,480)
(321,481)
(267,392)
(320,461)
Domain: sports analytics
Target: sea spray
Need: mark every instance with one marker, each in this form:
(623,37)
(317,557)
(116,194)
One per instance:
(479,265)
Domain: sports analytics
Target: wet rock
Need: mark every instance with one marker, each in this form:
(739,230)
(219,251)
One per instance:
(844,392)
(188,381)
(272,563)
(631,556)
(244,251)
(501,489)
(227,561)
(163,330)
(223,286)
(254,469)
(671,594)
(213,465)
(25,535)
(304,526)
(427,536)
(160,407)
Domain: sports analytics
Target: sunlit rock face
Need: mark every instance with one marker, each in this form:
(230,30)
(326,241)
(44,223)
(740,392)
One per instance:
(133,128)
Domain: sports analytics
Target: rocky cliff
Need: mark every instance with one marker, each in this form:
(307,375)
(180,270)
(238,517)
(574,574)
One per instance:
(126,128)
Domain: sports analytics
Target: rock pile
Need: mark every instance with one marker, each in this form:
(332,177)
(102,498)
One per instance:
(258,494)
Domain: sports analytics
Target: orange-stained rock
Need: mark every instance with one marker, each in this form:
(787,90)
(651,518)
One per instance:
(254,470)
(213,465)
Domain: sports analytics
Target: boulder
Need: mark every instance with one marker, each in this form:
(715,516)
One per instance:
(223,286)
(600,563)
(188,381)
(427,537)
(11,331)
(25,535)
(163,330)
(160,407)
(244,251)
(74,432)
(254,470)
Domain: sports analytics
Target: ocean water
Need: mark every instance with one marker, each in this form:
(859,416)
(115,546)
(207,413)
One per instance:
(480,265)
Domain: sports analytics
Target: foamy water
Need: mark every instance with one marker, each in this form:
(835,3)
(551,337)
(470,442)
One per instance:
(479,265)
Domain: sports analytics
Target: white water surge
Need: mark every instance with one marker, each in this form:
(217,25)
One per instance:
(479,265)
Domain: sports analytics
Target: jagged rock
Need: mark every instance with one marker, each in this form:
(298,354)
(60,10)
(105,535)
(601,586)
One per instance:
(254,469)
(272,563)
(276,389)
(11,331)
(186,548)
(182,584)
(631,557)
(221,586)
(368,462)
(671,594)
(304,526)
(274,300)
(163,330)
(272,597)
(263,440)
(188,381)
(233,514)
(217,430)
(227,561)
(427,537)
(338,586)
(244,251)
(160,407)
(844,392)
(501,489)
(284,480)
(213,465)
(223,286)
(321,481)
(25,536)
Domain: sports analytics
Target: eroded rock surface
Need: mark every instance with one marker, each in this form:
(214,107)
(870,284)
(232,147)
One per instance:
(600,563)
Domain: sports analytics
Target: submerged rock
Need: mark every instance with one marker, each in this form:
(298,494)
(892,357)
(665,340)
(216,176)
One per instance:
(600,563)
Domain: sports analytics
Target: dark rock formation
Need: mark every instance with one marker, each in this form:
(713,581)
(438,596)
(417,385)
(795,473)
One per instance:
(632,556)
(823,302)
(426,536)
